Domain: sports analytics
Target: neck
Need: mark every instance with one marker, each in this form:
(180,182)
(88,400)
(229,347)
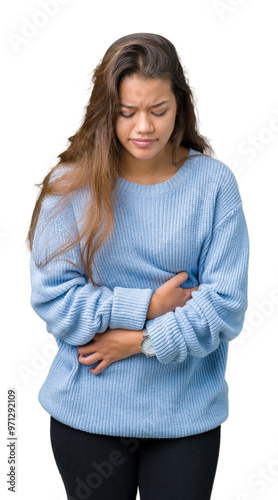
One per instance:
(158,168)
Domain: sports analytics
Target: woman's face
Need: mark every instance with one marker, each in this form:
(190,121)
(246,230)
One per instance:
(146,117)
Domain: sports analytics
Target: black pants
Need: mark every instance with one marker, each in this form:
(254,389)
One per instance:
(100,467)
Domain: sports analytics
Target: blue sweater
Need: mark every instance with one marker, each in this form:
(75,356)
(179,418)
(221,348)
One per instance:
(192,222)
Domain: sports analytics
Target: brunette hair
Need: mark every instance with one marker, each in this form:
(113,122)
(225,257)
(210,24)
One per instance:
(94,153)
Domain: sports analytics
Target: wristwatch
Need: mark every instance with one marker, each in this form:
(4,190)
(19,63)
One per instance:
(146,345)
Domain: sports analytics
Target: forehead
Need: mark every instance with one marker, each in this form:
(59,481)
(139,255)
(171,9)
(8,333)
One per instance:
(135,90)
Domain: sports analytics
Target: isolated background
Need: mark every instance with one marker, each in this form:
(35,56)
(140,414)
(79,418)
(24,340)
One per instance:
(229,49)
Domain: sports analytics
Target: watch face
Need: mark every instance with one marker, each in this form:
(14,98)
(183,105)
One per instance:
(147,346)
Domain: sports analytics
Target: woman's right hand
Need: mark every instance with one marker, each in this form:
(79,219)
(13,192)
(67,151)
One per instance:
(169,296)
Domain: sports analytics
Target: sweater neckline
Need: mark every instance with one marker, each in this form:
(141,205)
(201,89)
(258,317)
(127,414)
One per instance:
(161,186)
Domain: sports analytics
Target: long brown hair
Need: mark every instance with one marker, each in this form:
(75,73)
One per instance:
(94,153)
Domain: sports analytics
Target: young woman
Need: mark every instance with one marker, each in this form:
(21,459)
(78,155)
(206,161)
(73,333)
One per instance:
(139,268)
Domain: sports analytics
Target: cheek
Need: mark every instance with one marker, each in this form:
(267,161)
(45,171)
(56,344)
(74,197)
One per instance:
(121,130)
(169,127)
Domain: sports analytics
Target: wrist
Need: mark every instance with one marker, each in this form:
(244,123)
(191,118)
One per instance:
(151,309)
(138,339)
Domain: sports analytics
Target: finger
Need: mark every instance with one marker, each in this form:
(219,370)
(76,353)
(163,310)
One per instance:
(86,349)
(88,360)
(99,368)
(178,279)
(188,291)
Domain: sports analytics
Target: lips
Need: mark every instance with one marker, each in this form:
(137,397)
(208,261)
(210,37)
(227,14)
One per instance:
(143,143)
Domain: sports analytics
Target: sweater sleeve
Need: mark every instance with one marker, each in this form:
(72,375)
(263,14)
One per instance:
(73,309)
(216,311)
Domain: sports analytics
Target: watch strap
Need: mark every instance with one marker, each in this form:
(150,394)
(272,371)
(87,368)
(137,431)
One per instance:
(145,333)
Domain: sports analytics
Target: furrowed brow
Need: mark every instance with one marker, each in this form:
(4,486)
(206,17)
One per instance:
(160,104)
(154,105)
(126,106)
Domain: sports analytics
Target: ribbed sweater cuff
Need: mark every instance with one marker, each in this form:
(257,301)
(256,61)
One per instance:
(166,339)
(129,309)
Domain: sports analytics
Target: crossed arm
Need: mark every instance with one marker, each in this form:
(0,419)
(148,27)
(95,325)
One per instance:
(104,324)
(75,311)
(113,345)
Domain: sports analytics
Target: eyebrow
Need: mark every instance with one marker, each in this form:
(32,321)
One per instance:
(154,106)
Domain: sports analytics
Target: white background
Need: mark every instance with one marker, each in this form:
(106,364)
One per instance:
(229,49)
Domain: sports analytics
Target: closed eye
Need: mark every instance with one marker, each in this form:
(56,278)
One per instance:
(132,114)
(159,114)
(127,116)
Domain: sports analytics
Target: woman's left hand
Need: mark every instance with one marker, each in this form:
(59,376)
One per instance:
(109,347)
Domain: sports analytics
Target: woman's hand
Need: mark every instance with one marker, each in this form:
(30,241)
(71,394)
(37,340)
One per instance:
(169,296)
(117,344)
(110,346)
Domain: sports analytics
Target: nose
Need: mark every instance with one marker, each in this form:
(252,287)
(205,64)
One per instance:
(144,124)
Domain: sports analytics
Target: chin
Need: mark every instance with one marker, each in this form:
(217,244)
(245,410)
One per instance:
(144,154)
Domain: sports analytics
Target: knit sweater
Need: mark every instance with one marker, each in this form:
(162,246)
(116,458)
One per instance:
(192,222)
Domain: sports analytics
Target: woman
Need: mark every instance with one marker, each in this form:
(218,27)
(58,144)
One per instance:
(139,268)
